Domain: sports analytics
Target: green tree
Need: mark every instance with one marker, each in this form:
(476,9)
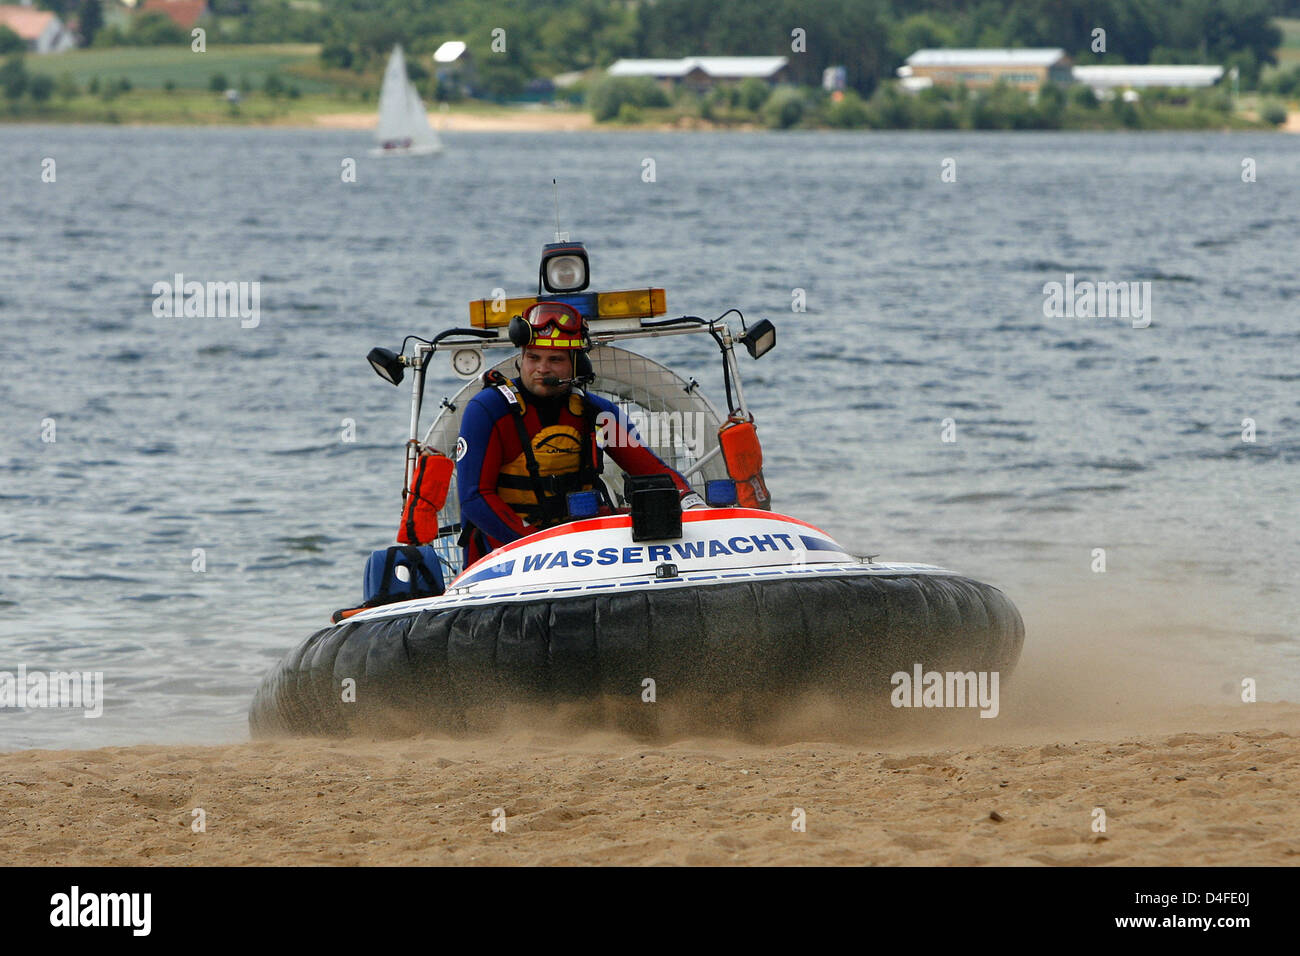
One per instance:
(337,55)
(1247,69)
(918,32)
(90,16)
(10,42)
(218,83)
(155,29)
(13,77)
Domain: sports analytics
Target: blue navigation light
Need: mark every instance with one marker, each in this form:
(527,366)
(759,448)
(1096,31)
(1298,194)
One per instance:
(587,303)
(584,504)
(720,492)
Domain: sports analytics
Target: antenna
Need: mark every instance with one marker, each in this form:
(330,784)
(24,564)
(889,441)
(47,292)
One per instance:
(559,236)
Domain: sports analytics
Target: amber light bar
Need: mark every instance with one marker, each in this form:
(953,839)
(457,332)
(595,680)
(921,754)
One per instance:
(594,306)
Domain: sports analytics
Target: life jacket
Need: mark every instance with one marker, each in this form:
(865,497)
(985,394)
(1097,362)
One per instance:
(430,481)
(744,457)
(557,460)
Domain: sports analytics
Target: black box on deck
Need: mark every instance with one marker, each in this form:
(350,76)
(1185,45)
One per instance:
(656,507)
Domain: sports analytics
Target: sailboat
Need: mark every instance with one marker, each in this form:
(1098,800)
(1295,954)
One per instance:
(403,124)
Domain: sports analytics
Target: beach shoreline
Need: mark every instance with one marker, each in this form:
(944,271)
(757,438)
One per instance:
(1209,787)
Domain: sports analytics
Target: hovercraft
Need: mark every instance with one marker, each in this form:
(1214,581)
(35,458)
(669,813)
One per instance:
(642,599)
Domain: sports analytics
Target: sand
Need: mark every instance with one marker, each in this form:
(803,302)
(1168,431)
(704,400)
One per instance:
(506,122)
(1220,791)
(1126,711)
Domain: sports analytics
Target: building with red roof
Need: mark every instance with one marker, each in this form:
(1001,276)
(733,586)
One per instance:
(41,30)
(183,13)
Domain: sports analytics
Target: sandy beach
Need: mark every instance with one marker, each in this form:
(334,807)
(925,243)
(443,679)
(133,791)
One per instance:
(1203,797)
(1104,712)
(1211,787)
(517,121)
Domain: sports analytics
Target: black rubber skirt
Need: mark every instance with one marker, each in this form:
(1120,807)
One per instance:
(429,670)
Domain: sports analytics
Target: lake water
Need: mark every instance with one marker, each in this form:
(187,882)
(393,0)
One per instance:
(924,302)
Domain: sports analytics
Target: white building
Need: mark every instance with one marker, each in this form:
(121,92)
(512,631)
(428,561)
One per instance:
(1106,78)
(41,30)
(1027,68)
(704,71)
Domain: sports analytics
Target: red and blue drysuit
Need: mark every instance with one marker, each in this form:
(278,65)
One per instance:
(496,481)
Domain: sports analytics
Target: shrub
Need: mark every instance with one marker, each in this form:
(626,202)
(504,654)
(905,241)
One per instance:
(609,94)
(1274,114)
(784,108)
(217,83)
(851,112)
(753,93)
(1127,113)
(1084,96)
(1283,83)
(889,109)
(41,87)
(1216,98)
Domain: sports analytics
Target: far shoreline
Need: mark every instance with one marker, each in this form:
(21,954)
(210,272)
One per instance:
(523,120)
(465,123)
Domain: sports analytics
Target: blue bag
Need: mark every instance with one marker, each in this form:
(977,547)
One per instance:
(402,573)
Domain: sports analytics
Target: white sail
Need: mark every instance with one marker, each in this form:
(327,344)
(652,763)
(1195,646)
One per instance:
(403,124)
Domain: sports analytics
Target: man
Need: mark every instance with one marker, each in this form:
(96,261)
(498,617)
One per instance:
(525,444)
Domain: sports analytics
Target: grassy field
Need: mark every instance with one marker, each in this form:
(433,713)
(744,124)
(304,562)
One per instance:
(188,107)
(1288,54)
(149,68)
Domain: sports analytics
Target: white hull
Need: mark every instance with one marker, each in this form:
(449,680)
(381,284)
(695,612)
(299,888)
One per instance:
(717,546)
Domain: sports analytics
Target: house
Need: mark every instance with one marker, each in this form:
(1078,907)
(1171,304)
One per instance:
(704,72)
(1103,79)
(41,30)
(454,68)
(1027,68)
(183,13)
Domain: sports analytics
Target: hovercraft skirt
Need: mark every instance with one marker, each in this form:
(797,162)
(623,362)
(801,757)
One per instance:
(427,669)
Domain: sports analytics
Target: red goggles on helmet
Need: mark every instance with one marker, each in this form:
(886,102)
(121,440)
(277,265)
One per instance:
(559,314)
(553,325)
